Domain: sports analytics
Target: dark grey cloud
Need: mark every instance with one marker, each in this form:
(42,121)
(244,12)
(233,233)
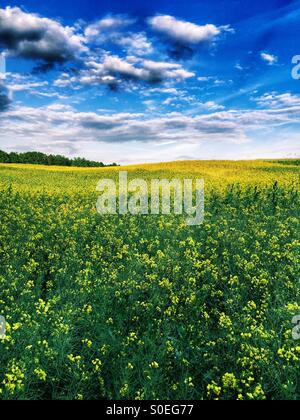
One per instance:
(93,124)
(30,36)
(4,98)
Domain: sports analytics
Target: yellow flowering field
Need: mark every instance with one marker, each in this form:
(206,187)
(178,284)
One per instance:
(146,307)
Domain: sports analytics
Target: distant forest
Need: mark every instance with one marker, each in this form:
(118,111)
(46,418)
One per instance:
(38,158)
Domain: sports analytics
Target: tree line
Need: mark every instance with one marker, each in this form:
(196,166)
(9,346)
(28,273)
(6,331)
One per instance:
(38,158)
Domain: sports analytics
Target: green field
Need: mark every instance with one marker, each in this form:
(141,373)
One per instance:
(145,307)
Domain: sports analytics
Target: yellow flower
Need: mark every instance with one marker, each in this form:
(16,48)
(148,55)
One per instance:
(97,365)
(189,382)
(87,342)
(41,374)
(229,381)
(124,390)
(74,359)
(213,389)
(154,365)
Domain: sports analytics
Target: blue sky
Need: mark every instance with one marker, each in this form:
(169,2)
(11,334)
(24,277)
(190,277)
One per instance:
(151,81)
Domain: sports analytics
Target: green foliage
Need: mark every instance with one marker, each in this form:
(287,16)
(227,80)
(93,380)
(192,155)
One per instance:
(38,158)
(295,162)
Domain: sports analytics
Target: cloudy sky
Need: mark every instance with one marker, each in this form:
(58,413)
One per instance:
(134,81)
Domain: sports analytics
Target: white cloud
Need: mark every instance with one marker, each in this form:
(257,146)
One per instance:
(185,32)
(148,71)
(99,30)
(26,86)
(238,66)
(137,44)
(219,82)
(51,124)
(276,100)
(269,58)
(113,70)
(112,29)
(61,123)
(213,106)
(31,85)
(204,79)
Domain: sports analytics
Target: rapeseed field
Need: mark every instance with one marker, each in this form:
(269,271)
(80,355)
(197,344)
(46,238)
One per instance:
(145,307)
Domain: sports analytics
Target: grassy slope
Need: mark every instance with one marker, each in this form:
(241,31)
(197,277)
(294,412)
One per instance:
(217,174)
